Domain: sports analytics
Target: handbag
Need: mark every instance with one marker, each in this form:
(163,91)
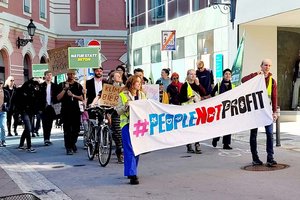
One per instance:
(57,108)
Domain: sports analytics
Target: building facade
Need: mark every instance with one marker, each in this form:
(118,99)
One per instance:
(270,29)
(58,23)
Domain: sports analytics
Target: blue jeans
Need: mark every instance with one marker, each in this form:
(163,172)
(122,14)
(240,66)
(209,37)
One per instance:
(130,160)
(269,143)
(2,126)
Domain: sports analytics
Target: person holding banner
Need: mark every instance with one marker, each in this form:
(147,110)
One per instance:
(173,89)
(191,92)
(131,92)
(272,94)
(220,88)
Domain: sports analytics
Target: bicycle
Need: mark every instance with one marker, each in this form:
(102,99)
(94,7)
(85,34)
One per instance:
(99,136)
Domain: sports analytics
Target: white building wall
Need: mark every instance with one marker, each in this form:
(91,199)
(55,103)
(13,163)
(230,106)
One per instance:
(187,26)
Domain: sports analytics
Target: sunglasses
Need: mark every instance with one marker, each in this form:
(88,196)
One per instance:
(12,80)
(175,78)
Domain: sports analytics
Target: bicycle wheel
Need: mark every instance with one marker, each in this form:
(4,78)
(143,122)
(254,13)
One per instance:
(91,142)
(105,144)
(85,133)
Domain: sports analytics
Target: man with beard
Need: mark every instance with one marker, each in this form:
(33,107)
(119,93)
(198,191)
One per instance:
(69,95)
(94,85)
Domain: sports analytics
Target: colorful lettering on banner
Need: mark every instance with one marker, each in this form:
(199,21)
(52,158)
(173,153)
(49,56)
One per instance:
(156,126)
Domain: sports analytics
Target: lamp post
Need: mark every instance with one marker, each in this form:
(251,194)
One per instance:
(225,6)
(31,30)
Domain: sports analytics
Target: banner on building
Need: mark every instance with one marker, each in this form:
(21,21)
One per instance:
(110,95)
(155,126)
(237,66)
(83,57)
(58,60)
(39,69)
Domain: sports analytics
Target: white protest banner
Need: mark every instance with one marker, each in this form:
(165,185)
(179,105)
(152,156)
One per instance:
(151,91)
(155,126)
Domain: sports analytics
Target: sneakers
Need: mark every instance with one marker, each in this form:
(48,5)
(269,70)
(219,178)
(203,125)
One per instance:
(33,135)
(271,163)
(3,144)
(16,133)
(21,148)
(69,152)
(47,143)
(197,149)
(189,149)
(74,149)
(134,180)
(257,162)
(214,143)
(227,147)
(31,150)
(120,158)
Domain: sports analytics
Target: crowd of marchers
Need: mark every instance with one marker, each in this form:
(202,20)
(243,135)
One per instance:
(37,99)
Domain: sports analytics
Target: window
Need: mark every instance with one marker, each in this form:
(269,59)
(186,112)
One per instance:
(2,68)
(27,6)
(88,15)
(43,9)
(199,4)
(179,53)
(137,57)
(155,53)
(4,3)
(178,8)
(156,13)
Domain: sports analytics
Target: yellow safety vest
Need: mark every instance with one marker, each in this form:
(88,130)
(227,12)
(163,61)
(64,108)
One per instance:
(269,88)
(189,94)
(124,118)
(232,86)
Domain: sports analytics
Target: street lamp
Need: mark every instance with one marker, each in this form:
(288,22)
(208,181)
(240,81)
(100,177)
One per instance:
(31,30)
(225,6)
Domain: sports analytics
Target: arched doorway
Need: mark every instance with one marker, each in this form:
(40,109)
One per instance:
(26,64)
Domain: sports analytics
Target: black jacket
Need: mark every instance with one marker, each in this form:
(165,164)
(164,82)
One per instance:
(54,93)
(91,93)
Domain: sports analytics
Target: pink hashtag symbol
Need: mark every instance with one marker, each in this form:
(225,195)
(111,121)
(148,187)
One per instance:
(140,128)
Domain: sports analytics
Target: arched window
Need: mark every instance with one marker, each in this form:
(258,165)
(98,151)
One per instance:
(2,67)
(43,60)
(26,64)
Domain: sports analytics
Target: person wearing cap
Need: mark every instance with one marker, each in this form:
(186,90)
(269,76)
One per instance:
(224,86)
(271,85)
(70,92)
(94,85)
(173,89)
(4,106)
(164,79)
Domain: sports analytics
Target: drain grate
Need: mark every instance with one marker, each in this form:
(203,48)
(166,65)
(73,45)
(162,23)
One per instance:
(58,166)
(264,167)
(185,156)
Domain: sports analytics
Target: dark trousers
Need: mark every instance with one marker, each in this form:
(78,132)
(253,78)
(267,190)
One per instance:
(269,143)
(130,160)
(27,119)
(117,133)
(48,116)
(15,115)
(71,126)
(226,139)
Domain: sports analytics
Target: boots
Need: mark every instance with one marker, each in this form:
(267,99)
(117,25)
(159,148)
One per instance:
(197,148)
(189,149)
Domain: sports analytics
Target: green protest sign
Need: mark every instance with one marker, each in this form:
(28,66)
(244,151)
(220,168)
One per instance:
(39,69)
(83,57)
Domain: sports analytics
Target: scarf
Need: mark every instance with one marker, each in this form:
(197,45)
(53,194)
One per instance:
(177,85)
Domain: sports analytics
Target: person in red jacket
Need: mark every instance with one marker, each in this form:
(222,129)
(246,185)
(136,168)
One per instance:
(272,93)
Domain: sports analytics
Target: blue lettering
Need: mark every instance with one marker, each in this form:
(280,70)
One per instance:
(177,119)
(161,123)
(192,118)
(184,124)
(153,122)
(169,122)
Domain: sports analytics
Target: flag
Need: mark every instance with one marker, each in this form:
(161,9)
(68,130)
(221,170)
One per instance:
(237,66)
